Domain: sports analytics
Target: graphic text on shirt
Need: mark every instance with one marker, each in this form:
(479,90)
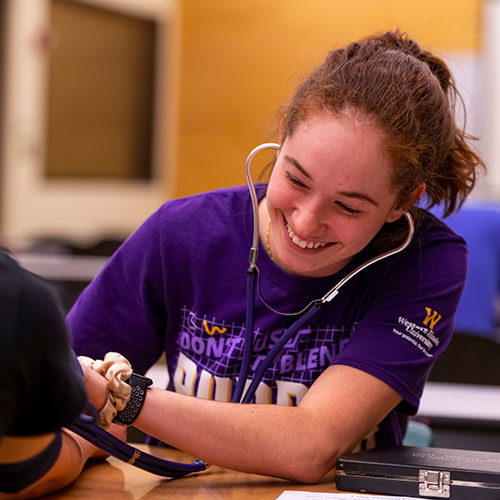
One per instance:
(210,353)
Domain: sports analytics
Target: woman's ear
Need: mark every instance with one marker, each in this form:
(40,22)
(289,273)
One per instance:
(395,214)
(412,198)
(416,194)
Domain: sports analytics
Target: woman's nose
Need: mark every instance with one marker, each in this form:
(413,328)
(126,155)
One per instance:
(308,220)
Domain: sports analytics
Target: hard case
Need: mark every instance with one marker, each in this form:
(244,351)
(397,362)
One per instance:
(422,473)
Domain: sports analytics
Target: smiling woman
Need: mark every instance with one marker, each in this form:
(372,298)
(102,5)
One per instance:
(363,137)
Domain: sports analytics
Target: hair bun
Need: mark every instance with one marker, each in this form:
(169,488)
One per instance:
(396,40)
(438,68)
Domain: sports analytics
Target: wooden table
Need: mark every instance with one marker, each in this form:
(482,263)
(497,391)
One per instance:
(112,479)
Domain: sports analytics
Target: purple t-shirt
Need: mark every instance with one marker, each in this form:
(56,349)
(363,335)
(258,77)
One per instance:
(178,285)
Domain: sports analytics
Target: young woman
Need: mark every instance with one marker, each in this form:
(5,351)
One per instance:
(364,137)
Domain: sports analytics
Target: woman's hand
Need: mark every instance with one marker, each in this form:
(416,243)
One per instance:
(97,394)
(95,385)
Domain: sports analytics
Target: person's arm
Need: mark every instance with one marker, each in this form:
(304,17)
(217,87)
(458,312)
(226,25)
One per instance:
(75,451)
(297,443)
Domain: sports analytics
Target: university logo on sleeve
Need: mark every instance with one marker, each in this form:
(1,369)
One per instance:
(432,318)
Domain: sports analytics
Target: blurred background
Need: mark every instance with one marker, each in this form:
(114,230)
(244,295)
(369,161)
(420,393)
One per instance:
(111,107)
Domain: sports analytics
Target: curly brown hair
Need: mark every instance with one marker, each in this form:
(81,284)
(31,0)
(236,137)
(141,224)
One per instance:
(412,96)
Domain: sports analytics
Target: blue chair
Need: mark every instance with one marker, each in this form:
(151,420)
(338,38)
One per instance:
(472,356)
(479,224)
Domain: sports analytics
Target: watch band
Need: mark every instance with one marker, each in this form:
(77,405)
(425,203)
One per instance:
(139,385)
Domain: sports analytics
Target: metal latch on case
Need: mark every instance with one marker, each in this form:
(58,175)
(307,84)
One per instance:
(434,483)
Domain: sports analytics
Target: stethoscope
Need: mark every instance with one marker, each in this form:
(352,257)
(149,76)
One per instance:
(306,313)
(88,429)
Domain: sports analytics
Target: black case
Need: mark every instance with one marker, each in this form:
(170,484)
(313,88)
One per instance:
(422,473)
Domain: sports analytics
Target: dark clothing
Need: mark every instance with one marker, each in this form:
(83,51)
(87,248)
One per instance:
(41,385)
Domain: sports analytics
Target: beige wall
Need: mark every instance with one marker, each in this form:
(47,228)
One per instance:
(241,59)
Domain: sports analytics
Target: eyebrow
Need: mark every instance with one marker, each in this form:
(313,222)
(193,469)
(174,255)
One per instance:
(293,161)
(358,196)
(348,194)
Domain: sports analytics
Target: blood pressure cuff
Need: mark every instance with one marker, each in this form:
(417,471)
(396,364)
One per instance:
(15,477)
(41,384)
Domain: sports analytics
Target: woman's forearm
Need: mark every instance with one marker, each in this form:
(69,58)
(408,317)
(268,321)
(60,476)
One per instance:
(300,443)
(265,439)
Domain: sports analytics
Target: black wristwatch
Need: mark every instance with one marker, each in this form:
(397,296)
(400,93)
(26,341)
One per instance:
(139,385)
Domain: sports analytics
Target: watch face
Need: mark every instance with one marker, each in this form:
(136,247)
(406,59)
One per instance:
(147,380)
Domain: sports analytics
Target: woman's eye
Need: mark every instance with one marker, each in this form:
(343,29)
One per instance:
(347,209)
(293,180)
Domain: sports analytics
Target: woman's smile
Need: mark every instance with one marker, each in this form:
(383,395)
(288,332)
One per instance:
(304,243)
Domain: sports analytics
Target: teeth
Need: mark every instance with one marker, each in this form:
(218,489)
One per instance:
(303,243)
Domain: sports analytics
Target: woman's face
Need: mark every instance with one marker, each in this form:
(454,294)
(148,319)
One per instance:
(328,195)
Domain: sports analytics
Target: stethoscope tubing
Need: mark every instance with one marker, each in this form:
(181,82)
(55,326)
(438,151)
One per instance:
(129,454)
(255,202)
(252,273)
(249,327)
